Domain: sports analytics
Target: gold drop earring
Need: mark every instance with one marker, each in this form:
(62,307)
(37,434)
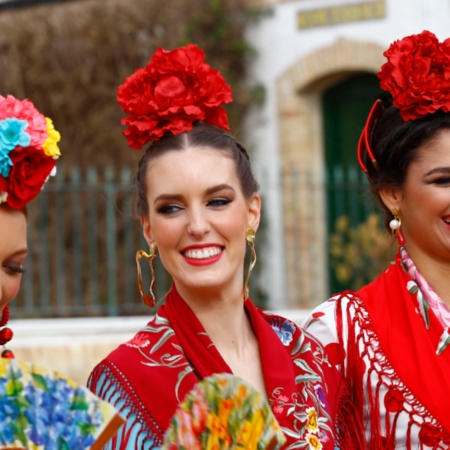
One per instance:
(149,300)
(250,236)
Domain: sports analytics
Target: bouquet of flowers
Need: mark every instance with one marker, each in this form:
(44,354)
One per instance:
(223,412)
(44,410)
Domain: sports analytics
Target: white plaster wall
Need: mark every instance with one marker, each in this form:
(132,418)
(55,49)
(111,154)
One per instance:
(74,346)
(279,44)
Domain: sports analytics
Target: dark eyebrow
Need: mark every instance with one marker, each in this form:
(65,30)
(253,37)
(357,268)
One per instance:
(217,188)
(436,170)
(23,252)
(180,197)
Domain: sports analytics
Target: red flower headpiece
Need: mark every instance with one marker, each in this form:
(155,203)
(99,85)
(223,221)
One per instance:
(28,150)
(417,74)
(174,90)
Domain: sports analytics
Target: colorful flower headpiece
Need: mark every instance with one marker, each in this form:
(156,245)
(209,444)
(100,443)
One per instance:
(28,150)
(417,75)
(174,90)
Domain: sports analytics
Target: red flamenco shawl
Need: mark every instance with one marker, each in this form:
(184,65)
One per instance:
(173,352)
(393,303)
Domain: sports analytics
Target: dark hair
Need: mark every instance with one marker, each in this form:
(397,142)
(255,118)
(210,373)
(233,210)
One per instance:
(395,145)
(201,135)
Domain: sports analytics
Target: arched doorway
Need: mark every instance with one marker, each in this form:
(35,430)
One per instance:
(345,107)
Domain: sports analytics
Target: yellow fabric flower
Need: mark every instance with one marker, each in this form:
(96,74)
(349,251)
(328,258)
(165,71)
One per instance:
(312,424)
(314,442)
(50,145)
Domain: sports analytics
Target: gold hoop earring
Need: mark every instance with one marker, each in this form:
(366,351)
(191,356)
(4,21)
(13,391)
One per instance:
(149,300)
(250,238)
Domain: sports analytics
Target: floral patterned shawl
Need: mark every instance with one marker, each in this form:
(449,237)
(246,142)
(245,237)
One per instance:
(148,376)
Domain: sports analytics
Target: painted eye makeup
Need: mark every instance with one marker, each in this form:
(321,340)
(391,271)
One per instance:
(219,201)
(14,268)
(441,181)
(168,209)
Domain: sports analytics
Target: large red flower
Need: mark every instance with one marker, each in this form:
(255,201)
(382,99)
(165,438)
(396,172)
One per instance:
(30,170)
(417,74)
(174,90)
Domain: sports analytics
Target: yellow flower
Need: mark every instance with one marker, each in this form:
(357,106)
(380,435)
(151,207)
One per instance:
(312,424)
(314,442)
(257,427)
(245,433)
(217,431)
(50,145)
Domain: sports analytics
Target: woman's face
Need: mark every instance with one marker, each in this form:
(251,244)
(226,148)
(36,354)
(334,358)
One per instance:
(198,217)
(13,250)
(424,203)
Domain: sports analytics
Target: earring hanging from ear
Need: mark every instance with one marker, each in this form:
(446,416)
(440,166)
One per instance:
(6,333)
(250,238)
(395,226)
(149,300)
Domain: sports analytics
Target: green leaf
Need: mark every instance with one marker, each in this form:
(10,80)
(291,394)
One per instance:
(79,403)
(62,444)
(18,431)
(13,387)
(40,381)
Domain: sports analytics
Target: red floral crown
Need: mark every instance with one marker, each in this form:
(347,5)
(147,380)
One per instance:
(174,90)
(28,150)
(417,75)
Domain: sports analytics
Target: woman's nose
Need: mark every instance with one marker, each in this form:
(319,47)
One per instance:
(198,224)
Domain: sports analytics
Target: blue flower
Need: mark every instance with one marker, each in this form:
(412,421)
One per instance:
(12,134)
(285,330)
(5,164)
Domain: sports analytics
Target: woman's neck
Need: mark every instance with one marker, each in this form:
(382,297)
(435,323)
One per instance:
(223,316)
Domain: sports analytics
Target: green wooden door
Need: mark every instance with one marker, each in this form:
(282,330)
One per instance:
(345,108)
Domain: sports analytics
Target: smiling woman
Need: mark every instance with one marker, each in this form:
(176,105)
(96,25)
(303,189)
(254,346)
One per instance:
(198,203)
(391,338)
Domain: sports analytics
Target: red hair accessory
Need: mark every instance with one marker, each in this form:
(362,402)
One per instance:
(28,150)
(365,139)
(174,90)
(417,74)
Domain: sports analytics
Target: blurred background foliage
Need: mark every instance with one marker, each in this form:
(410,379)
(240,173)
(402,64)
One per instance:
(359,254)
(70,57)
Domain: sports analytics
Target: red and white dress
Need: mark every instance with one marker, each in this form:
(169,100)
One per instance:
(390,341)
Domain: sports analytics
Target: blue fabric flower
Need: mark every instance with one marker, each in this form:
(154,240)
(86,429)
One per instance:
(12,134)
(285,330)
(5,164)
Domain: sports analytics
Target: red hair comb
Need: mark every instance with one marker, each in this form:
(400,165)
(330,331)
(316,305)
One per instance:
(365,138)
